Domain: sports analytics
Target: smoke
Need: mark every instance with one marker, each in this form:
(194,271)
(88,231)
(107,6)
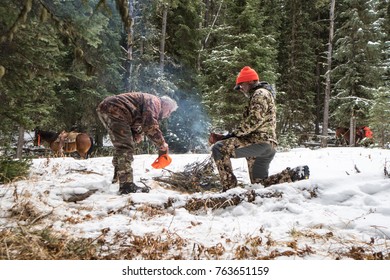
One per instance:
(188,126)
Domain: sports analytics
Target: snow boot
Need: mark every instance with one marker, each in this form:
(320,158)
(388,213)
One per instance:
(127,188)
(300,173)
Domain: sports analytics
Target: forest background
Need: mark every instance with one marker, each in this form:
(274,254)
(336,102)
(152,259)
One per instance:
(60,58)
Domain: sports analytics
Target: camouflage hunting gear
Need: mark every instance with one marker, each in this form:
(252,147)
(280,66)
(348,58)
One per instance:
(253,139)
(127,116)
(288,175)
(259,118)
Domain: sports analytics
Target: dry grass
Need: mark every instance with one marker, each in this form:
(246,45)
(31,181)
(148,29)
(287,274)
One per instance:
(23,243)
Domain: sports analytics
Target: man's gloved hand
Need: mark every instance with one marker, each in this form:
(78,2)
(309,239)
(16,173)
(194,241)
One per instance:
(137,138)
(215,137)
(163,159)
(163,149)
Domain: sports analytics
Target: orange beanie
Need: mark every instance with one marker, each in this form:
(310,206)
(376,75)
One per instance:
(247,74)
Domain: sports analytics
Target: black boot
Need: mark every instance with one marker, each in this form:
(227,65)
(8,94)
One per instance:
(130,187)
(300,173)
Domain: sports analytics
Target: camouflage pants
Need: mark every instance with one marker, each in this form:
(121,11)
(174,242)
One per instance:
(258,156)
(119,130)
(284,176)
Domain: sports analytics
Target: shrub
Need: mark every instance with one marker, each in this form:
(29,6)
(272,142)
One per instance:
(11,169)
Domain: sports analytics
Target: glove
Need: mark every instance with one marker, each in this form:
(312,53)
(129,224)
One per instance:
(163,149)
(137,138)
(215,137)
(162,161)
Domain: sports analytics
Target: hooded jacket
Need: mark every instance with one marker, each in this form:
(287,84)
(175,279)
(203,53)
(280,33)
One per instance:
(141,111)
(259,118)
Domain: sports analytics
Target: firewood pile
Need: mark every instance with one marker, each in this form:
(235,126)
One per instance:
(196,177)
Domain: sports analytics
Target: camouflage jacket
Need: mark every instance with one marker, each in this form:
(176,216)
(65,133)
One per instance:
(142,111)
(259,118)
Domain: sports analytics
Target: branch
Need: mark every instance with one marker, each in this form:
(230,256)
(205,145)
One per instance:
(212,25)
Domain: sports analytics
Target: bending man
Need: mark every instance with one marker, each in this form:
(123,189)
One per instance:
(127,117)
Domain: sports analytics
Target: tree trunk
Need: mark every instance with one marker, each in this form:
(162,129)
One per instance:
(163,35)
(204,45)
(352,130)
(382,139)
(129,58)
(318,98)
(19,148)
(317,129)
(325,125)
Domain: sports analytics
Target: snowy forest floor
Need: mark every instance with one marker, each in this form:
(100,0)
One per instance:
(68,209)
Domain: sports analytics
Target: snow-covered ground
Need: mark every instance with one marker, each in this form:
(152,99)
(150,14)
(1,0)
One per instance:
(343,207)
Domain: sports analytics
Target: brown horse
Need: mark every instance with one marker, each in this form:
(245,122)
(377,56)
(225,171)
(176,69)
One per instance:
(343,135)
(65,142)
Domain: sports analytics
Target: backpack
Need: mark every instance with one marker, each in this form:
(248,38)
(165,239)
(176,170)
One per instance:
(268,87)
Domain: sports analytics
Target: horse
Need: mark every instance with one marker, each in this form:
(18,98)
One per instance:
(65,142)
(343,135)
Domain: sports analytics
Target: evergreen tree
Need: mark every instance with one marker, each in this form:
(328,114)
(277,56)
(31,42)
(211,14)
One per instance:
(378,113)
(177,78)
(59,59)
(63,60)
(357,53)
(241,36)
(298,81)
(188,125)
(380,110)
(92,63)
(30,55)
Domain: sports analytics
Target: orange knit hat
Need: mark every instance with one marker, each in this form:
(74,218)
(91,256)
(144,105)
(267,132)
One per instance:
(247,74)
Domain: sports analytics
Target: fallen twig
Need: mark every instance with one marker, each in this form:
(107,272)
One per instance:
(196,177)
(41,217)
(80,197)
(84,171)
(357,170)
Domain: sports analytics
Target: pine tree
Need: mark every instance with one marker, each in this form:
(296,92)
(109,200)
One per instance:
(187,128)
(378,113)
(357,52)
(92,63)
(65,58)
(380,110)
(241,36)
(297,85)
(30,56)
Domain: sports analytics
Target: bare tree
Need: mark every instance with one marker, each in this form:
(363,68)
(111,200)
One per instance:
(126,10)
(163,35)
(207,14)
(325,125)
(19,148)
